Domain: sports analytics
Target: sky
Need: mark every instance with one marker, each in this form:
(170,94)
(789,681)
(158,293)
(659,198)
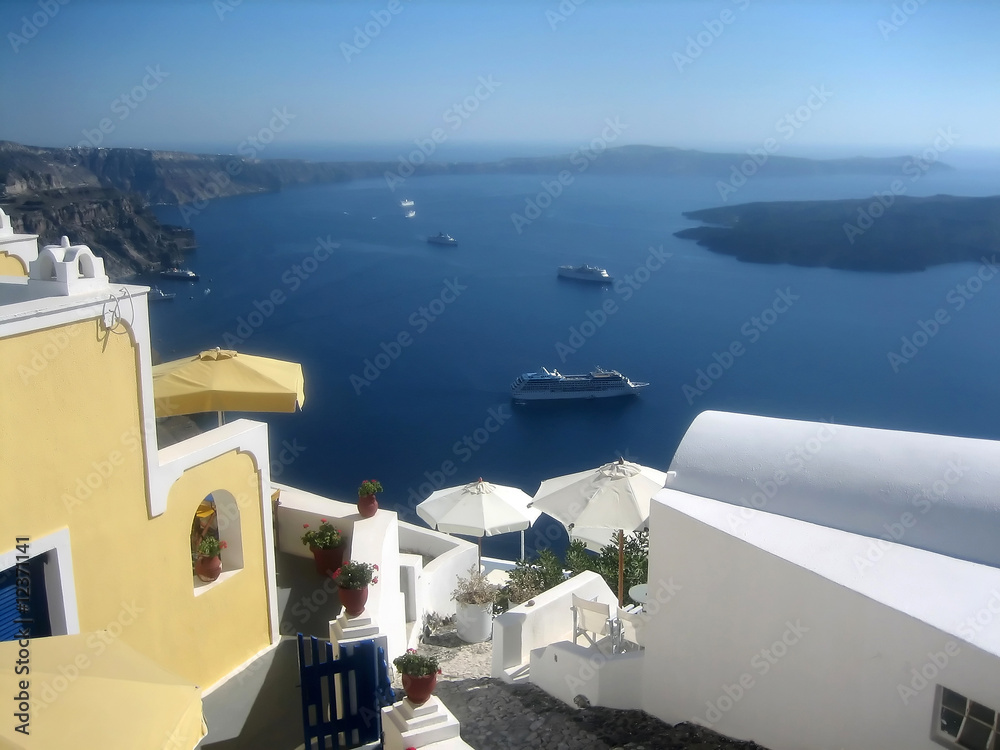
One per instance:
(233,76)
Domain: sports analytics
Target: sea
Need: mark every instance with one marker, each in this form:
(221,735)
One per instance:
(409,349)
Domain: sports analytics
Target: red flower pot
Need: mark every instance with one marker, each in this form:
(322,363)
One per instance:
(354,600)
(419,689)
(367,506)
(208,569)
(327,560)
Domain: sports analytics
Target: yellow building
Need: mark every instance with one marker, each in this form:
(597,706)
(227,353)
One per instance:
(101,516)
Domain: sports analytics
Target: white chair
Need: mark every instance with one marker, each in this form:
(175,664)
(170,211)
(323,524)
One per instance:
(633,626)
(590,618)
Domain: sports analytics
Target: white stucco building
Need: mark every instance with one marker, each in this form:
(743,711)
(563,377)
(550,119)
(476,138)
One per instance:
(831,587)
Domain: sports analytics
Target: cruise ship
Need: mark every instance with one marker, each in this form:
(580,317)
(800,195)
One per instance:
(585,273)
(406,203)
(550,385)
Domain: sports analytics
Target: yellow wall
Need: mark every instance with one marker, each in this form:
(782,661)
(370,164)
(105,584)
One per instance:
(11,265)
(70,415)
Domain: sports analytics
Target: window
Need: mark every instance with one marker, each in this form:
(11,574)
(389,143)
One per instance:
(963,723)
(217,516)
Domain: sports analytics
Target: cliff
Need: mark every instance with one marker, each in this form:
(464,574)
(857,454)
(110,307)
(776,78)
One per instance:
(910,234)
(116,226)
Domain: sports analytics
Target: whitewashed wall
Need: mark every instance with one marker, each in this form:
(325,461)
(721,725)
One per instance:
(761,648)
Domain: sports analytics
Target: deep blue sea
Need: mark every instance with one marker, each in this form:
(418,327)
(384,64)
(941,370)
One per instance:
(436,411)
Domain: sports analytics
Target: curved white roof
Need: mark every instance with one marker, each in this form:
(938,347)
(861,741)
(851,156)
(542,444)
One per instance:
(932,492)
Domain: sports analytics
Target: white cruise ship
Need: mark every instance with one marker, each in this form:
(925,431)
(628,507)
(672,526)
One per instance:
(406,203)
(585,273)
(550,385)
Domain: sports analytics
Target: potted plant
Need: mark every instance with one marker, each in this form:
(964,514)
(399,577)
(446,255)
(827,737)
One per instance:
(208,566)
(352,579)
(474,614)
(367,504)
(326,544)
(419,675)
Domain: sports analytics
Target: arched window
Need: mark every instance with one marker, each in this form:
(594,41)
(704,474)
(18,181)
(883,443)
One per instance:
(218,518)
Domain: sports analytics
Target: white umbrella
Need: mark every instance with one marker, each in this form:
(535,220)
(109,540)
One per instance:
(478,509)
(614,497)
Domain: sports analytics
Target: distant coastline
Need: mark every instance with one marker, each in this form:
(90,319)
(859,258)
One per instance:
(49,190)
(891,233)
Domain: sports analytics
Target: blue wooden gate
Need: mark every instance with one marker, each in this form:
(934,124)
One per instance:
(357,682)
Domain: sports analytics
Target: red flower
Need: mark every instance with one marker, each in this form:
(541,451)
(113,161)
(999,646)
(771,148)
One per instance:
(305,526)
(222,545)
(322,520)
(374,580)
(336,573)
(375,566)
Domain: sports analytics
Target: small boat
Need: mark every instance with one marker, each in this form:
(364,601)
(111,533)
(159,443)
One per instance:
(585,273)
(442,239)
(182,274)
(410,214)
(406,203)
(156,295)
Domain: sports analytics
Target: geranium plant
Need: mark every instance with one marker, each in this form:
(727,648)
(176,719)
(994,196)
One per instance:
(369,487)
(325,537)
(355,575)
(416,665)
(210,547)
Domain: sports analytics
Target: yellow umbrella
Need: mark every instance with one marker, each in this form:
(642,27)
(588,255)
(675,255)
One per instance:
(91,690)
(223,380)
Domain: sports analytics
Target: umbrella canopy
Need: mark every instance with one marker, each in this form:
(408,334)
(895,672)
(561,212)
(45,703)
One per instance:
(614,497)
(119,698)
(479,509)
(223,380)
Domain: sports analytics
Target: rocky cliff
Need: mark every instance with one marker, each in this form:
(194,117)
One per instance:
(118,227)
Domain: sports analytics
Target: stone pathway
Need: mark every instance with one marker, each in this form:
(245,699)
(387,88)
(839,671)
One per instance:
(499,716)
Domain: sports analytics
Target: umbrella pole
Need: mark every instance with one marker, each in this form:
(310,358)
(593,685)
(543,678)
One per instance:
(621,568)
(480,554)
(522,544)
(221,420)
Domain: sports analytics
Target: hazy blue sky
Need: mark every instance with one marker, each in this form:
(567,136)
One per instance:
(226,66)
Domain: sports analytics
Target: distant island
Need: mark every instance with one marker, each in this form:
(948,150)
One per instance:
(893,233)
(54,191)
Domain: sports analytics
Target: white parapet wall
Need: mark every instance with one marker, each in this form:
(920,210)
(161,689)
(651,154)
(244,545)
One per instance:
(522,629)
(451,558)
(566,670)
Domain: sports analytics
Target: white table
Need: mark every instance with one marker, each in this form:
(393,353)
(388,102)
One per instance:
(639,592)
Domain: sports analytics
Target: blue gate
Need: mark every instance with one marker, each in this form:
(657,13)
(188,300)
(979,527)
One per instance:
(356,686)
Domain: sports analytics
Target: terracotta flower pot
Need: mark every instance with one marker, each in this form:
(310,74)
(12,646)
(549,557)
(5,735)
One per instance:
(327,560)
(367,506)
(354,600)
(419,689)
(208,569)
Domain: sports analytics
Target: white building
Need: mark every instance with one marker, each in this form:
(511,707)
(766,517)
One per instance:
(830,587)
